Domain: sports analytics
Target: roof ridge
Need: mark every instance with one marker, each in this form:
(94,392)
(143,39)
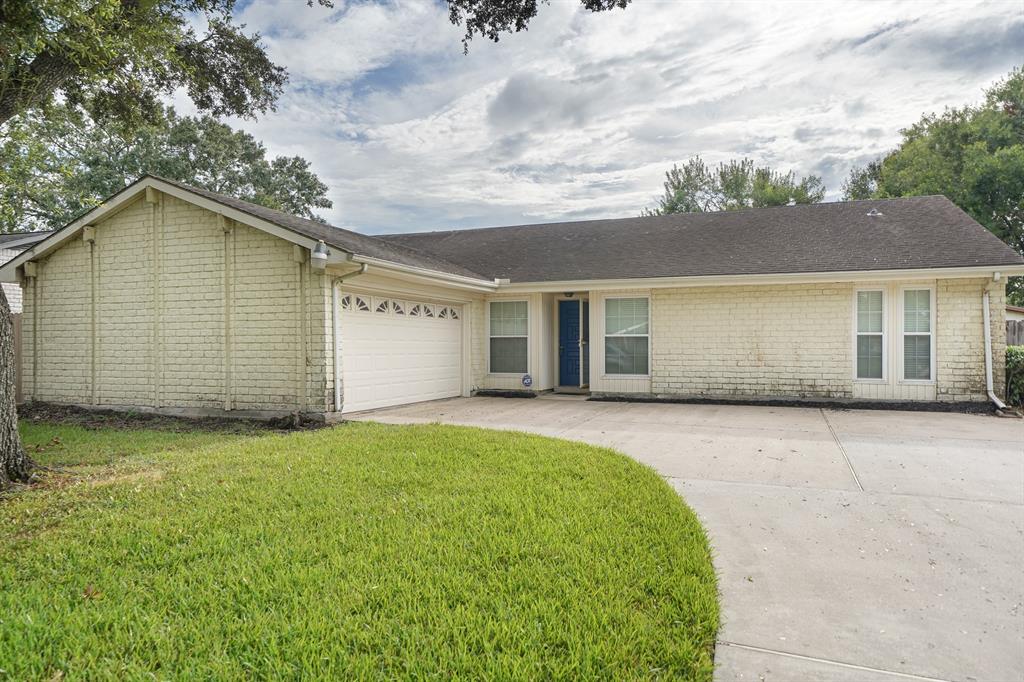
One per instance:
(749,209)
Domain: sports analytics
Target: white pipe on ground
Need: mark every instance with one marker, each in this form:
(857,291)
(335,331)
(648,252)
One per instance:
(988,354)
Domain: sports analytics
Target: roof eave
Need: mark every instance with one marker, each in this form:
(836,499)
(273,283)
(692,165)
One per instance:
(986,271)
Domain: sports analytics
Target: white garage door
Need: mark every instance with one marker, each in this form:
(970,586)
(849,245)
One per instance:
(396,351)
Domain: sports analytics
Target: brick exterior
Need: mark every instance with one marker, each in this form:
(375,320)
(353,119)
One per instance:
(752,341)
(165,310)
(12,291)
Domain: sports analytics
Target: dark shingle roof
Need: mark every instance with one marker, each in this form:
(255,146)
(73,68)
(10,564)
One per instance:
(19,236)
(340,238)
(911,233)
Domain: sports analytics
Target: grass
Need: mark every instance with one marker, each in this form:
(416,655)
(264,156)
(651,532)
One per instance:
(361,551)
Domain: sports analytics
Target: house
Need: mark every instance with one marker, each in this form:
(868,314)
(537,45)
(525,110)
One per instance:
(1014,313)
(168,297)
(10,246)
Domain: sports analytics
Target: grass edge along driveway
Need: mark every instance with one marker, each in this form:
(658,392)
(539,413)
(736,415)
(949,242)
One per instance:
(363,550)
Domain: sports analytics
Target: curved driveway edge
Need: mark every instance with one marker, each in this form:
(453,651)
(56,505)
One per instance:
(850,545)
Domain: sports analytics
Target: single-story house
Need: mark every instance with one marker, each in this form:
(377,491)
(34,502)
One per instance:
(1014,313)
(10,246)
(168,297)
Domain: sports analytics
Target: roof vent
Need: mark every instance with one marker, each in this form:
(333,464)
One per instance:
(875,213)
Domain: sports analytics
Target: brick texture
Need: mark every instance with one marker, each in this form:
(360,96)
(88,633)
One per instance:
(162,317)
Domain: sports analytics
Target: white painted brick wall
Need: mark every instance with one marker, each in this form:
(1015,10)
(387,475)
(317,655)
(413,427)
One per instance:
(270,369)
(12,291)
(789,340)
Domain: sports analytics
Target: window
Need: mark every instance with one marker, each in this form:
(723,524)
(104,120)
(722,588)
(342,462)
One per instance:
(870,335)
(509,332)
(917,335)
(626,335)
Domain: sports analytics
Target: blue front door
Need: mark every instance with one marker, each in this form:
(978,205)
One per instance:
(569,343)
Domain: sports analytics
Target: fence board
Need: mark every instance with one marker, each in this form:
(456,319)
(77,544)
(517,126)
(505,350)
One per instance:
(17,358)
(1015,332)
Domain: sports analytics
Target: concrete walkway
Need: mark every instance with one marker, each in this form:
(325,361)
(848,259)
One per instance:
(850,545)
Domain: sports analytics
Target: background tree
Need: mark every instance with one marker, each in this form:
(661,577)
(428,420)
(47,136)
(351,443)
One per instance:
(974,156)
(697,188)
(57,165)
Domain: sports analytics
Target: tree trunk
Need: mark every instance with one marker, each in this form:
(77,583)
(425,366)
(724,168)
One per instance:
(15,466)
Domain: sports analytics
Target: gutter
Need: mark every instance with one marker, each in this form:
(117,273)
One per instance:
(427,274)
(988,353)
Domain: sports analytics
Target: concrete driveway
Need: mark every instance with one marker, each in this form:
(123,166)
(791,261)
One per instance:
(850,545)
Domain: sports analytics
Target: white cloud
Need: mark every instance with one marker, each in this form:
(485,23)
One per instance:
(581,115)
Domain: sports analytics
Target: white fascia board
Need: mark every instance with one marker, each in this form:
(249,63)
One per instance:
(426,275)
(782,278)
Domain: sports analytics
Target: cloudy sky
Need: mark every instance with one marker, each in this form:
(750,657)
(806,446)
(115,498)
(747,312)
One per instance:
(580,116)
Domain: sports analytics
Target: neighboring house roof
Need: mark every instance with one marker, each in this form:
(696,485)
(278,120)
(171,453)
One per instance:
(19,241)
(910,233)
(1014,309)
(340,238)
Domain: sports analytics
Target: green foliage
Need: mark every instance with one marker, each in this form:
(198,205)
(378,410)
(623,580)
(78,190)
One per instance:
(490,18)
(697,188)
(974,156)
(362,551)
(118,58)
(57,164)
(1015,375)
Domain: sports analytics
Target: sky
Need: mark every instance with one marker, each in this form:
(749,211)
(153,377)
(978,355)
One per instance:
(580,116)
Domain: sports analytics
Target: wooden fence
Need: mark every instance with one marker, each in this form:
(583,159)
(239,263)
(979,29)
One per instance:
(1015,332)
(17,357)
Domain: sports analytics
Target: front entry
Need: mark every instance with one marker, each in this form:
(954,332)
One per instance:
(569,343)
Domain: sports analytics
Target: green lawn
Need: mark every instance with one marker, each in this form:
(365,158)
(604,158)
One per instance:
(364,551)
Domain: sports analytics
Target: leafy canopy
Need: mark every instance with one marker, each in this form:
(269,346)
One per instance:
(974,156)
(58,164)
(119,58)
(697,188)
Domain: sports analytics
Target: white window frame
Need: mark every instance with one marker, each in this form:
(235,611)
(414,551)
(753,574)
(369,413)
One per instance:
(885,335)
(489,337)
(605,335)
(904,333)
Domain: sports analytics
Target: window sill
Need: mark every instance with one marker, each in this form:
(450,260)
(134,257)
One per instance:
(625,376)
(878,382)
(916,382)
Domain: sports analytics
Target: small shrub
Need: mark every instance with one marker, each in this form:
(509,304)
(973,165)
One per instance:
(1015,375)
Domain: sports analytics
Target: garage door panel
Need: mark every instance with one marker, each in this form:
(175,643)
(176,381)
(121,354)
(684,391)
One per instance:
(390,357)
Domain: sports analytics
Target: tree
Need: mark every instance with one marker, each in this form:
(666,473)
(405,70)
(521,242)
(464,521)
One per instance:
(973,155)
(697,188)
(57,165)
(491,18)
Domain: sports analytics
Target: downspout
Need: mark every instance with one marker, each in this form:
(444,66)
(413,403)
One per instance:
(988,354)
(336,332)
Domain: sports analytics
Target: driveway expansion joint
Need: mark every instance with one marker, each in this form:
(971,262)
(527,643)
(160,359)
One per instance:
(839,444)
(828,661)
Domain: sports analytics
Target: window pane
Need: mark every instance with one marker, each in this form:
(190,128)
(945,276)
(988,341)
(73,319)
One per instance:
(917,358)
(508,355)
(869,311)
(626,316)
(625,355)
(509,318)
(917,311)
(869,356)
